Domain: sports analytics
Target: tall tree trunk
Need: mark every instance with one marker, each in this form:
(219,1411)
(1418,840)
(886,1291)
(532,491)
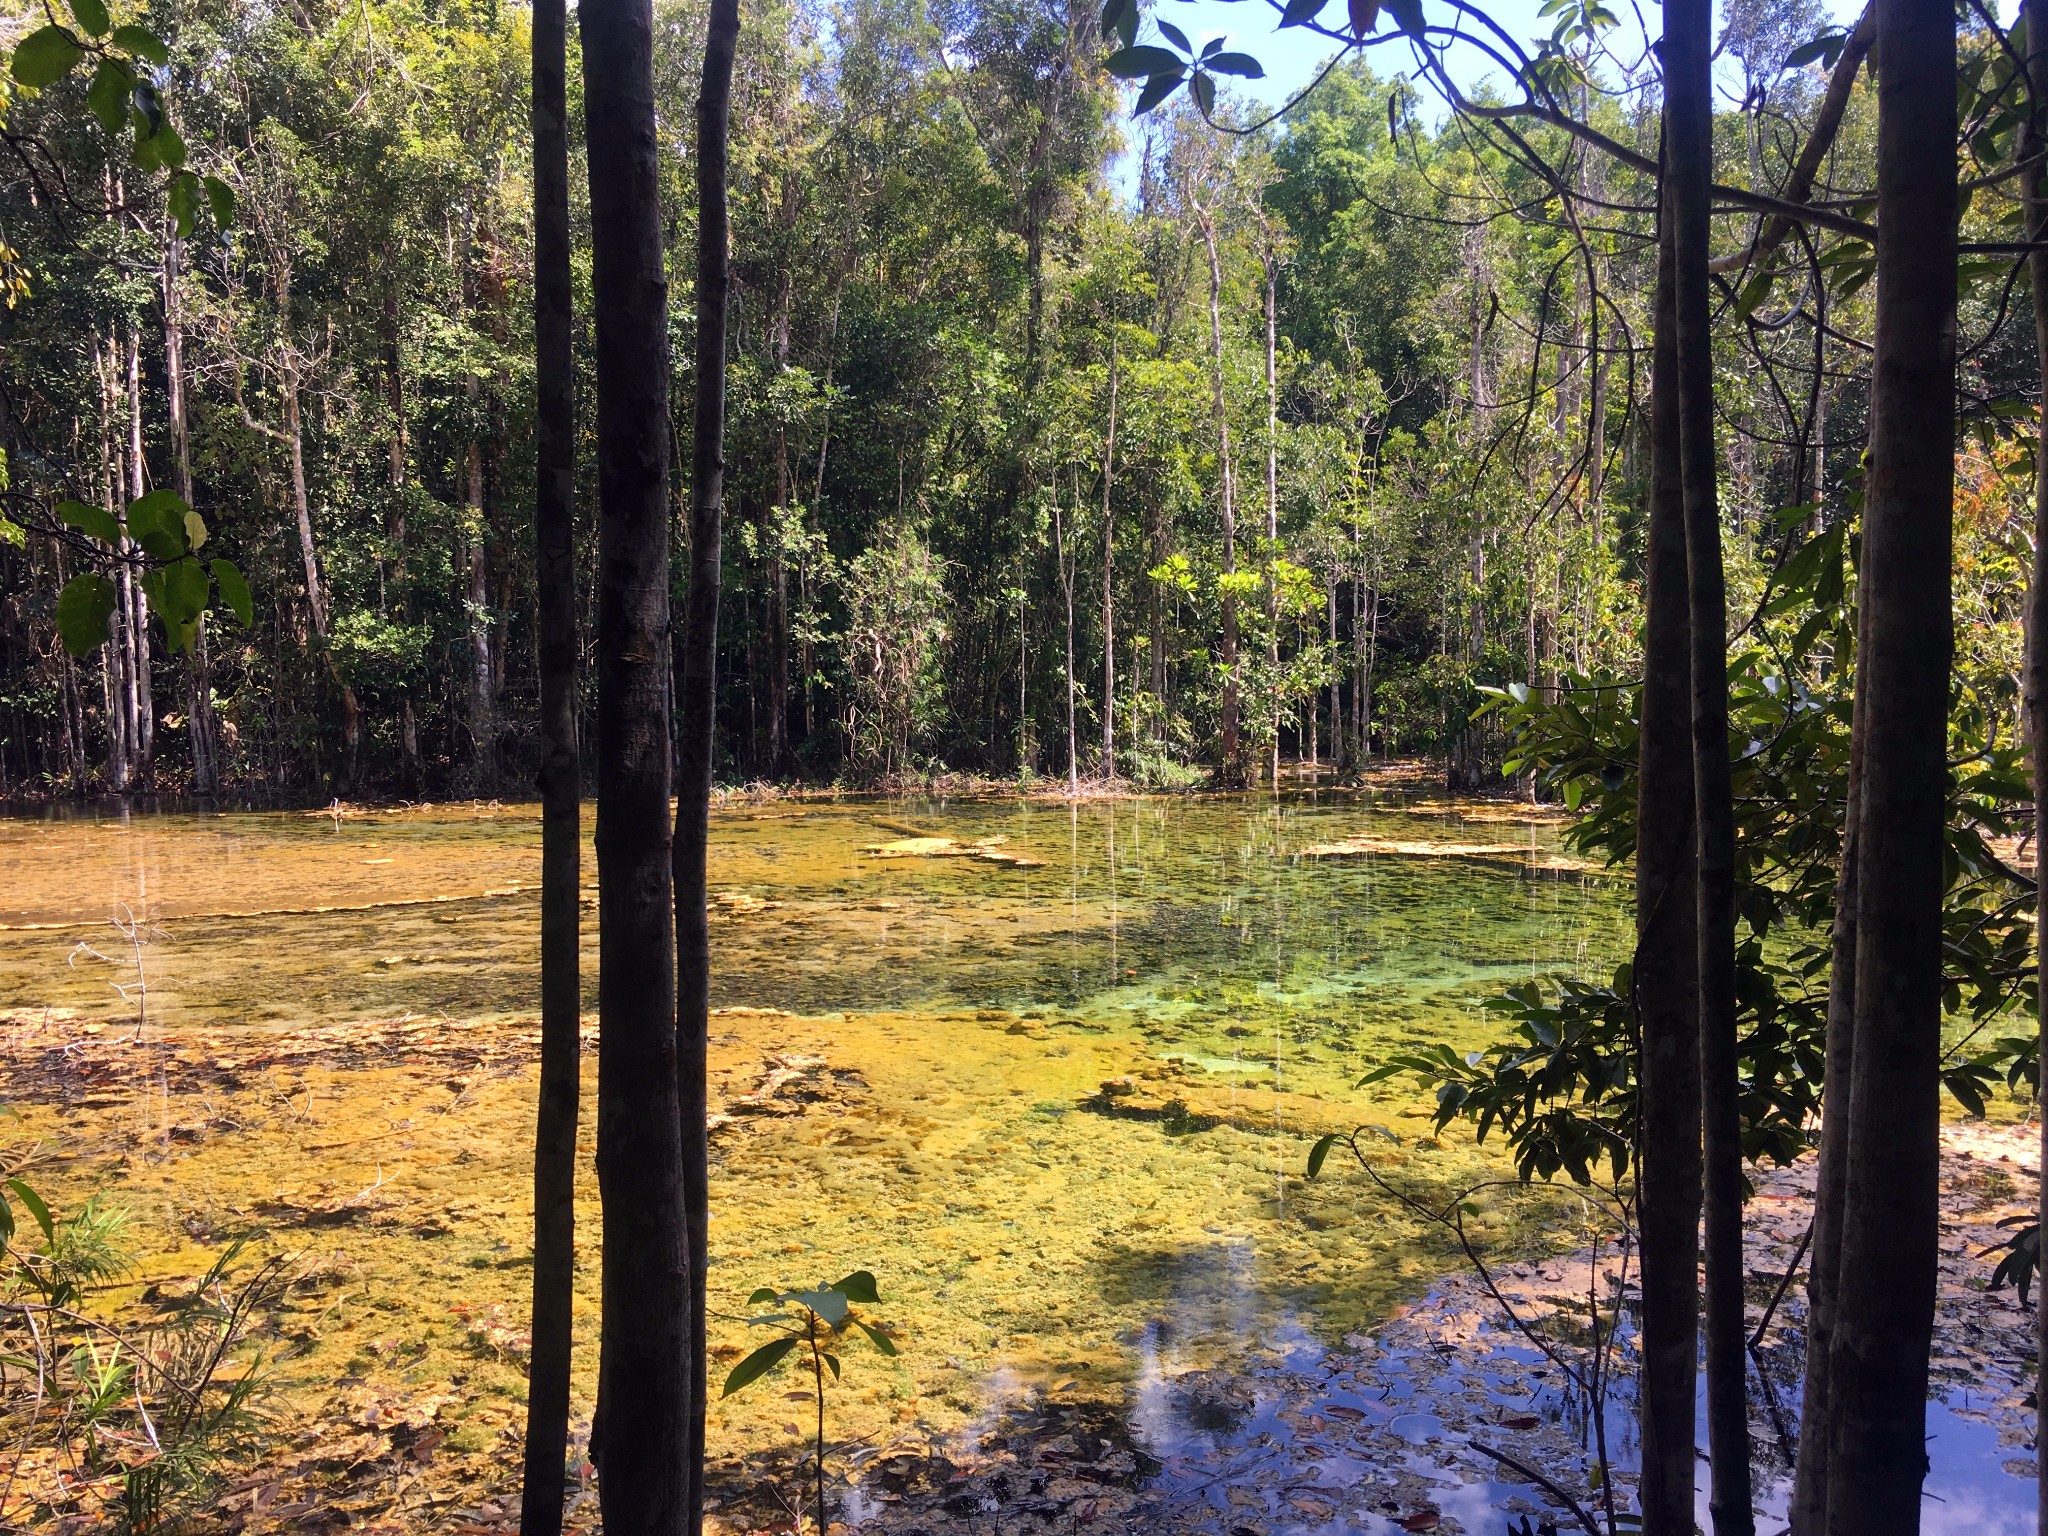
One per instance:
(138,485)
(1271,265)
(1689,170)
(1227,485)
(1666,972)
(1808,1509)
(482,727)
(644,1374)
(560,783)
(1059,549)
(1885,1300)
(2034,685)
(1108,574)
(697,700)
(203,727)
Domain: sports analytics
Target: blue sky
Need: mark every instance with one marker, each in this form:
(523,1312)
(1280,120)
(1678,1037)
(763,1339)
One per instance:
(1291,58)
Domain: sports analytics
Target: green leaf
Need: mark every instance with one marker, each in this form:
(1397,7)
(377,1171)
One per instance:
(6,1222)
(1141,61)
(107,96)
(1318,1153)
(830,1305)
(195,529)
(1203,89)
(1174,35)
(833,1361)
(858,1286)
(185,590)
(92,16)
(1157,89)
(97,521)
(1243,65)
(157,523)
(36,1208)
(876,1337)
(183,203)
(757,1365)
(1827,48)
(149,109)
(83,610)
(46,56)
(234,591)
(1408,16)
(767,1293)
(1301,12)
(220,197)
(143,43)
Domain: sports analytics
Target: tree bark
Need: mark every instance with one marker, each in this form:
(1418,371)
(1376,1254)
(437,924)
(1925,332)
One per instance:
(1666,971)
(138,486)
(1227,485)
(483,728)
(1108,574)
(1271,265)
(643,1430)
(1885,1300)
(1688,175)
(697,701)
(2034,685)
(560,784)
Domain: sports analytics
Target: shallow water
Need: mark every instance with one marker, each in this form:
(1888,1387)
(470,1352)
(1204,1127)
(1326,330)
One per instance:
(1033,1239)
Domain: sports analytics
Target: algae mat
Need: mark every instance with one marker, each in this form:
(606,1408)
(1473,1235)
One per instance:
(911,1071)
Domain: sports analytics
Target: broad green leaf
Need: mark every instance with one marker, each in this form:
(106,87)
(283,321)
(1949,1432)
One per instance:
(97,521)
(830,1305)
(185,590)
(1242,65)
(36,1208)
(757,1365)
(195,529)
(107,96)
(1142,61)
(767,1293)
(6,1222)
(833,1361)
(1174,35)
(159,530)
(149,109)
(143,43)
(1157,89)
(183,203)
(876,1337)
(1301,12)
(92,16)
(1826,49)
(1320,1152)
(46,56)
(234,591)
(1203,89)
(83,610)
(1408,16)
(858,1286)
(220,197)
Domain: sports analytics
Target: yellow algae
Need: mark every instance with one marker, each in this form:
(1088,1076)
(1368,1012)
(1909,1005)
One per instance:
(909,1069)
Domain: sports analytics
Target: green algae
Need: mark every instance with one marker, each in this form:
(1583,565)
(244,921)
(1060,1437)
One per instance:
(957,1143)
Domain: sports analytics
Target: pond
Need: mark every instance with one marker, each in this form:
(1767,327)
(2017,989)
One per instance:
(1050,1071)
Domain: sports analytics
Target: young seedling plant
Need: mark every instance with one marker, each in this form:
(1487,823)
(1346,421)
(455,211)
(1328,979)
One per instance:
(817,1319)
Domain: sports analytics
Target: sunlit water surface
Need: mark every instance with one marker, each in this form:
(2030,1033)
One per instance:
(1025,1242)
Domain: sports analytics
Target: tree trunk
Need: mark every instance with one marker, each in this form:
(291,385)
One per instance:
(643,1426)
(1271,266)
(697,701)
(1666,972)
(1885,1298)
(138,486)
(1059,549)
(1108,574)
(482,728)
(2034,685)
(1227,486)
(203,728)
(560,784)
(1689,144)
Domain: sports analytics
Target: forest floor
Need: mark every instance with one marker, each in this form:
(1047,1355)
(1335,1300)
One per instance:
(383,1164)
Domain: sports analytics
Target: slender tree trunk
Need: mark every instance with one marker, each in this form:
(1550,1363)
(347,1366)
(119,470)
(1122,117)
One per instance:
(644,1375)
(1271,266)
(138,485)
(482,727)
(1227,486)
(1808,1509)
(2034,686)
(1108,574)
(1666,972)
(1059,548)
(560,783)
(1885,1299)
(697,699)
(1689,167)
(204,726)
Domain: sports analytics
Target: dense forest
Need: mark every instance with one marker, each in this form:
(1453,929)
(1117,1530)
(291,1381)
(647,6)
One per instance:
(1059,441)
